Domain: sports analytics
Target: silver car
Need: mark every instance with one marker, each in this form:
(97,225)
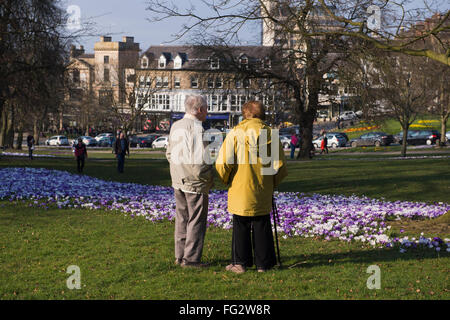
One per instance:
(57,141)
(334,140)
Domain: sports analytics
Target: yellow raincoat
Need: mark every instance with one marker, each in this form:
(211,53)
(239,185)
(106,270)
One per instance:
(252,165)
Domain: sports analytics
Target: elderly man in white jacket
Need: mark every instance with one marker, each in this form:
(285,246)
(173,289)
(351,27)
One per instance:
(192,178)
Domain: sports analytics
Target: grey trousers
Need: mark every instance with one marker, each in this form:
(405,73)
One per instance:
(190,225)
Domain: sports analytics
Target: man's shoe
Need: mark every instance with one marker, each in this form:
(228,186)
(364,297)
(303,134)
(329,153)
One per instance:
(186,264)
(236,268)
(178,261)
(262,270)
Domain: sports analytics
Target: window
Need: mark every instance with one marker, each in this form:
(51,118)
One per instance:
(76,76)
(214,63)
(178,62)
(131,78)
(149,81)
(76,94)
(162,62)
(106,59)
(194,82)
(144,63)
(219,82)
(106,75)
(141,81)
(166,82)
(246,83)
(244,62)
(160,102)
(210,83)
(105,97)
(158,82)
(238,83)
(177,82)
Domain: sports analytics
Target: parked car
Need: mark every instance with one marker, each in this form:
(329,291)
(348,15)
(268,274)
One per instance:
(428,137)
(347,115)
(105,141)
(334,140)
(342,134)
(373,139)
(87,140)
(322,114)
(286,141)
(161,142)
(398,138)
(57,141)
(146,142)
(134,141)
(101,135)
(447,136)
(288,130)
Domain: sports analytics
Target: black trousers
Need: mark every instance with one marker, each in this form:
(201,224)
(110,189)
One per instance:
(120,162)
(80,163)
(253,234)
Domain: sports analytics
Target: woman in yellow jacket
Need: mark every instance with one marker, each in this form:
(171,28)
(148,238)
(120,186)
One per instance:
(252,164)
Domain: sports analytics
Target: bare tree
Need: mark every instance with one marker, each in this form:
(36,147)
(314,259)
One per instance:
(32,53)
(404,89)
(133,97)
(299,57)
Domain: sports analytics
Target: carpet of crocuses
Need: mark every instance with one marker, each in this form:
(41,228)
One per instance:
(327,216)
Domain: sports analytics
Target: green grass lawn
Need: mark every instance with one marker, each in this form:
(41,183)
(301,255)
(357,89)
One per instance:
(125,258)
(392,126)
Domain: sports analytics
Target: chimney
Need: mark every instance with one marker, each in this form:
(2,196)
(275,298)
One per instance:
(105,39)
(74,52)
(127,39)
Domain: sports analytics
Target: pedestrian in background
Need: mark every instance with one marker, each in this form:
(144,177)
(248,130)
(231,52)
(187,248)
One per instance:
(30,144)
(121,148)
(294,142)
(324,144)
(80,153)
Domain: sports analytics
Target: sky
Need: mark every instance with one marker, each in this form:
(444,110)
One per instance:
(119,18)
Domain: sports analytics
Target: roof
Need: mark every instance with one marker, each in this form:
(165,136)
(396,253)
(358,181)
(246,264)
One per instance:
(197,57)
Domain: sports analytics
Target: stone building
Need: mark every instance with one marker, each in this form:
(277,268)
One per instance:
(173,72)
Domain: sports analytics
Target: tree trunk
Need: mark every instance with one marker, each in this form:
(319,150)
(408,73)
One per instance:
(444,119)
(404,141)
(36,131)
(306,135)
(19,136)
(4,125)
(10,127)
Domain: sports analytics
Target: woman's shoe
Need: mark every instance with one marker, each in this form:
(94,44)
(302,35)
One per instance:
(236,268)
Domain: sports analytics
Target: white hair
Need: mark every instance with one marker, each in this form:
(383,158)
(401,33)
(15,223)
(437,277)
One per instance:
(193,102)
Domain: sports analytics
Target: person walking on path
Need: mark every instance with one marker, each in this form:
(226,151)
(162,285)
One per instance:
(80,153)
(192,178)
(121,148)
(294,143)
(30,144)
(324,143)
(251,178)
